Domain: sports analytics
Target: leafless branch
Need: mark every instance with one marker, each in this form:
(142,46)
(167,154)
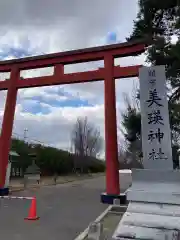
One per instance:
(86,138)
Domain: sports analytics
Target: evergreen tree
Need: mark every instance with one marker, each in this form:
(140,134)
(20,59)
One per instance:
(160,20)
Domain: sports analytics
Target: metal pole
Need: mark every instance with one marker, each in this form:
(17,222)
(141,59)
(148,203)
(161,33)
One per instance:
(25,134)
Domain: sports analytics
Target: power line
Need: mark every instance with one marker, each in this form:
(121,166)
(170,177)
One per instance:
(21,136)
(25,138)
(30,140)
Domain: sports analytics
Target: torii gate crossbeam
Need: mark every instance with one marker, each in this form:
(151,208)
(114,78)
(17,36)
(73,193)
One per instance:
(108,73)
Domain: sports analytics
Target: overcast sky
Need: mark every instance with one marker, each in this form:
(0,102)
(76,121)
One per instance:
(37,27)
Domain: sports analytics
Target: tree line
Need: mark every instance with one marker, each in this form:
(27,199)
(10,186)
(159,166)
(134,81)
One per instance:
(159,20)
(86,144)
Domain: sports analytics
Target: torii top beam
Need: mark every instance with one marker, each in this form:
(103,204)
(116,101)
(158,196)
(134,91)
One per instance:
(58,60)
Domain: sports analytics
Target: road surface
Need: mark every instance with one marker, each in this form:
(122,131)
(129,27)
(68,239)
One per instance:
(64,210)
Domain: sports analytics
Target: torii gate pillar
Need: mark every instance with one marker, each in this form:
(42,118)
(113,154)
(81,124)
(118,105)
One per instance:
(111,149)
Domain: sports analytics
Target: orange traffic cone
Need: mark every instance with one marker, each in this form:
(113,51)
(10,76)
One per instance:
(32,211)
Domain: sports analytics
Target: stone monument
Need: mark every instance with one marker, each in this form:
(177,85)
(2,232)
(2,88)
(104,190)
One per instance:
(32,173)
(154,198)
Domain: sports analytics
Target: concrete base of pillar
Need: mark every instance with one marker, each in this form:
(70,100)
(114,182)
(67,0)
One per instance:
(4,191)
(109,199)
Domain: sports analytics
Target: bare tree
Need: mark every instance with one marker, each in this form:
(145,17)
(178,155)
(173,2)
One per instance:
(86,140)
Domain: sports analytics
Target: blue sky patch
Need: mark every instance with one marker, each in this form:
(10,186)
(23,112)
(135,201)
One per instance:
(37,104)
(69,102)
(15,52)
(111,37)
(34,107)
(34,104)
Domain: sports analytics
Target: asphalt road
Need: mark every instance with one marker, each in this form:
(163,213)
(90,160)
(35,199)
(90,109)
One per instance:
(64,210)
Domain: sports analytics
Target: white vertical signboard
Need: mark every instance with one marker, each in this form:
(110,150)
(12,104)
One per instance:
(156,135)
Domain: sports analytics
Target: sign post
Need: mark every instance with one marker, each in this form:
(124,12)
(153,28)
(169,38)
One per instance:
(156,134)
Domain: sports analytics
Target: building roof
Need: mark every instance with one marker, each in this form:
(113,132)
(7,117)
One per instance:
(13,153)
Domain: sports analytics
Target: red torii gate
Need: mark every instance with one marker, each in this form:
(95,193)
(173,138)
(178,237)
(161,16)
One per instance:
(109,73)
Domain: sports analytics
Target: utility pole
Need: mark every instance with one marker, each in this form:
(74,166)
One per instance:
(25,134)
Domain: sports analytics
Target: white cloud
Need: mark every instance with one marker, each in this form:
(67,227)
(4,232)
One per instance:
(59,25)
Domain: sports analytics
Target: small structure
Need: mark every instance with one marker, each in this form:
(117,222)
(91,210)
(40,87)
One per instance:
(13,154)
(95,231)
(125,177)
(16,170)
(32,173)
(9,167)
